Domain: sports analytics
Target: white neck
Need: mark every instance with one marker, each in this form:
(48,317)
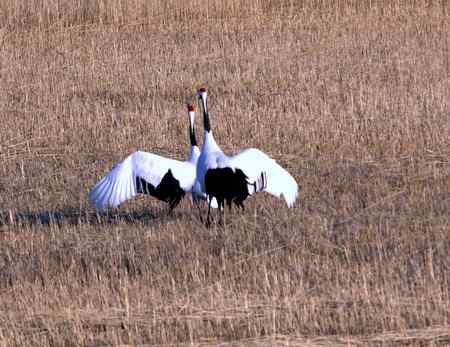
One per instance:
(194,154)
(209,144)
(191,119)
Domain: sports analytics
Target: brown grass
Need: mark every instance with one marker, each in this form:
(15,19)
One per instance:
(352,97)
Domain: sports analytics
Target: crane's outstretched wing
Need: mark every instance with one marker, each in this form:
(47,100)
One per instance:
(264,174)
(146,173)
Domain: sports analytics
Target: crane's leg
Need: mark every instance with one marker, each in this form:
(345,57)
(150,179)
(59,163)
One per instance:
(221,214)
(197,204)
(172,205)
(169,212)
(208,218)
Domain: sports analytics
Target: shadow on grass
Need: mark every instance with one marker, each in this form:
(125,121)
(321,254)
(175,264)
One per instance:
(72,216)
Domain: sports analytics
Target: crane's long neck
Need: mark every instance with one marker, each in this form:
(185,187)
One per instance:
(204,103)
(192,136)
(209,144)
(195,151)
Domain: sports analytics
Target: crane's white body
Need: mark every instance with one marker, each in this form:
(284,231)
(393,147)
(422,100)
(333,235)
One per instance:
(263,173)
(120,184)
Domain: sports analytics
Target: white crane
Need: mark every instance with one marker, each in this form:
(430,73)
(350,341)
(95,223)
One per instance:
(232,179)
(147,173)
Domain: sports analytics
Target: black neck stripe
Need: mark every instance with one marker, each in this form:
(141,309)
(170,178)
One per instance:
(206,122)
(192,136)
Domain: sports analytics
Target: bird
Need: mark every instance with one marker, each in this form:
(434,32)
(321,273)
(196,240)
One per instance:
(231,179)
(146,173)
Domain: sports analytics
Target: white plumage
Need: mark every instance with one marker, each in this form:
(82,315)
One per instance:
(120,183)
(147,173)
(232,179)
(258,166)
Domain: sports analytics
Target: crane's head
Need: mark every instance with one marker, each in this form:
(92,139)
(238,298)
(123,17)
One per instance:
(202,93)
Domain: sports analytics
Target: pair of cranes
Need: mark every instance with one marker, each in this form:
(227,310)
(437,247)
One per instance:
(208,174)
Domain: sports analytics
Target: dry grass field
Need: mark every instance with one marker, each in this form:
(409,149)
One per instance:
(352,97)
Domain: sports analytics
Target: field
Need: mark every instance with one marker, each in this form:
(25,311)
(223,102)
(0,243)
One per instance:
(351,97)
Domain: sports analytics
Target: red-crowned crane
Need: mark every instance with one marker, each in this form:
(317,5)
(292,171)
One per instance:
(147,173)
(231,179)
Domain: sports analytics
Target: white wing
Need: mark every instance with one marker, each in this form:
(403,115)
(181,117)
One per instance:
(119,184)
(265,174)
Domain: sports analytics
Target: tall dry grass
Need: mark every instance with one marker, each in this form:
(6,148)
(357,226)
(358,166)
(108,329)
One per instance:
(350,96)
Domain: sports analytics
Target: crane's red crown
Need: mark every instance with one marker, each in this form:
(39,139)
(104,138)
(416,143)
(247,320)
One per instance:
(191,108)
(202,89)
